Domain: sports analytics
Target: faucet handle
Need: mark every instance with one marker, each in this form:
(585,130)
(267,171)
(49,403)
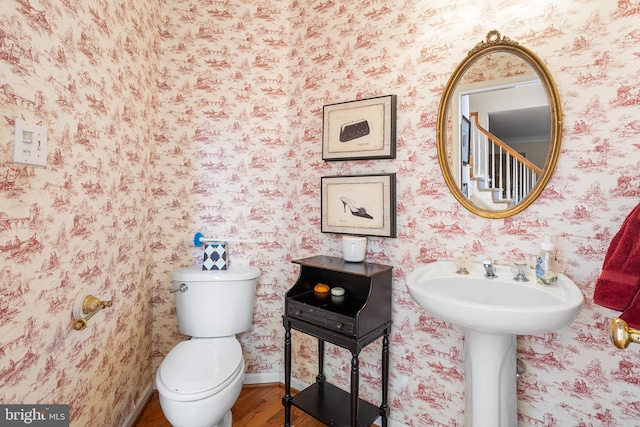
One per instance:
(461,265)
(519,270)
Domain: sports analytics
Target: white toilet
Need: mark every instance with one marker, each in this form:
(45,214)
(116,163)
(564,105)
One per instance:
(200,379)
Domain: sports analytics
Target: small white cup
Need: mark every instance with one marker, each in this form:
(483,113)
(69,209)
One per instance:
(354,248)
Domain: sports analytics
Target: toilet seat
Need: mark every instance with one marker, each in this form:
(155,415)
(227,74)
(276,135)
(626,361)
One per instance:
(199,368)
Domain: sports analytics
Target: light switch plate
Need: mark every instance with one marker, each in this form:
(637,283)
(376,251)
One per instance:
(29,143)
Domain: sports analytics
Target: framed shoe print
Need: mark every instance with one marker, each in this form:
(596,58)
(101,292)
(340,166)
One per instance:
(362,129)
(359,204)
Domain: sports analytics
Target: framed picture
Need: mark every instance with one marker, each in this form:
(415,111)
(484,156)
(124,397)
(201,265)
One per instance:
(363,129)
(359,204)
(465,139)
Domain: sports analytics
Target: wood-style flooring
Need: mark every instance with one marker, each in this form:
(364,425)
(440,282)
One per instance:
(259,405)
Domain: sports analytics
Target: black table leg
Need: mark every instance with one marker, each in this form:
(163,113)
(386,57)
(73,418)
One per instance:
(384,407)
(286,399)
(355,389)
(320,377)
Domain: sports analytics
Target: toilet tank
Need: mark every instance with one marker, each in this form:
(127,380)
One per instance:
(214,303)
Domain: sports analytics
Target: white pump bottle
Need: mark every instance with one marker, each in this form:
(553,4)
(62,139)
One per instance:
(546,272)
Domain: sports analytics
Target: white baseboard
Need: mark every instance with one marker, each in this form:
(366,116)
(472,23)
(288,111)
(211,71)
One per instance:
(262,378)
(392,423)
(139,406)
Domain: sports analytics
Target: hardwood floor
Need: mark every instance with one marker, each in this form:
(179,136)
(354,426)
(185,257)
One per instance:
(259,405)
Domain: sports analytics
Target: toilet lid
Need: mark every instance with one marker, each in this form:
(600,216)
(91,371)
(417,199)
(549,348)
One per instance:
(199,365)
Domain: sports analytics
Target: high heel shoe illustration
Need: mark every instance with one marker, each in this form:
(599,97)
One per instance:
(355,211)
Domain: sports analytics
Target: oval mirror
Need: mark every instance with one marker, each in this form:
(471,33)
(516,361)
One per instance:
(499,128)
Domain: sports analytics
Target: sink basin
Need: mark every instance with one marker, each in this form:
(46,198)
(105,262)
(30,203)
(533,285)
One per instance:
(495,306)
(493,312)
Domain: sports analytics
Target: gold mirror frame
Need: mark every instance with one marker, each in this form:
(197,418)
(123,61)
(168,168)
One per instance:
(494,43)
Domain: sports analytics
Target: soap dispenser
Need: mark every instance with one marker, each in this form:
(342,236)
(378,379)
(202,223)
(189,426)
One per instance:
(546,262)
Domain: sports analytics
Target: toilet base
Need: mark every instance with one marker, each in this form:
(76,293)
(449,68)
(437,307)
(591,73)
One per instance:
(226,421)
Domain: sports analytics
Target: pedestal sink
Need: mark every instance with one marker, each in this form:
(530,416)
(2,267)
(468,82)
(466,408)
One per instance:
(493,312)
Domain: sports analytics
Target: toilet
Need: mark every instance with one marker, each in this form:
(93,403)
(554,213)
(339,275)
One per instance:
(200,379)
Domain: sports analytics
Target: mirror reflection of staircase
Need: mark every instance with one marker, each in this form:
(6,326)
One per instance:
(500,176)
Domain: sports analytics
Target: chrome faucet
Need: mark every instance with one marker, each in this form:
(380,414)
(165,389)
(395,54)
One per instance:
(489,269)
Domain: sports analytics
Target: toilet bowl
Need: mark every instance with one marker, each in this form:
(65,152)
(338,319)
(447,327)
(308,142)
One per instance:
(200,379)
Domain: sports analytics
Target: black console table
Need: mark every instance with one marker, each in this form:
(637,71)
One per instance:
(352,321)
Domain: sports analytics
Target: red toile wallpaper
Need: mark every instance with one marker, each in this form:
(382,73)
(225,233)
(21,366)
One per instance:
(169,117)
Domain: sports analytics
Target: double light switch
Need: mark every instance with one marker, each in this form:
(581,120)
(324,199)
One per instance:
(29,143)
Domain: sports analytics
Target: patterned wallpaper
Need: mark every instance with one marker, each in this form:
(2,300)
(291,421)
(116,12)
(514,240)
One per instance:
(167,118)
(88,72)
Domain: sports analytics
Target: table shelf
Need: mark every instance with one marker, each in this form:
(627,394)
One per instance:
(331,406)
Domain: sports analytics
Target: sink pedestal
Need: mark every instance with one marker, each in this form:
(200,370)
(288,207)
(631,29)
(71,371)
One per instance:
(491,382)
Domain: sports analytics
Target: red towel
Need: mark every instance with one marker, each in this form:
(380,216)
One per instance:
(618,285)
